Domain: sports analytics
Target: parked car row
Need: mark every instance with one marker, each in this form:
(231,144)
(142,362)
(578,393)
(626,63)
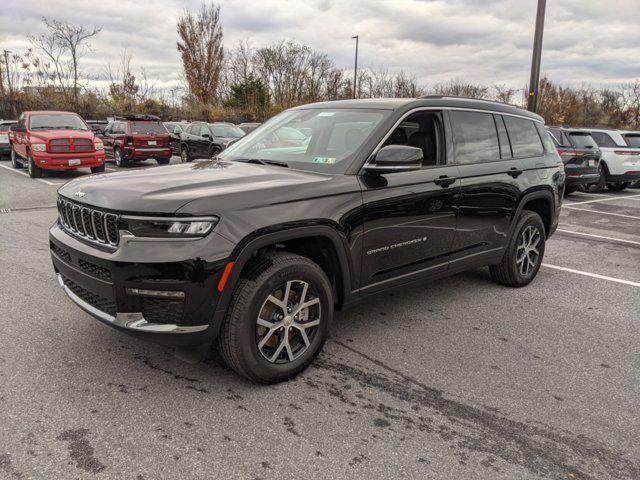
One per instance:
(603,158)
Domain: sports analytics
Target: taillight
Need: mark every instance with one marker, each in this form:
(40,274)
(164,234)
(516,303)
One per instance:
(627,152)
(566,152)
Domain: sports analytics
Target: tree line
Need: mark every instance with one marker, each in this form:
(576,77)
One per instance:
(251,83)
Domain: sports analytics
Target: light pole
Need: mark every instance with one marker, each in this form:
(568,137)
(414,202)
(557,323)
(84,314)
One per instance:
(355,69)
(534,80)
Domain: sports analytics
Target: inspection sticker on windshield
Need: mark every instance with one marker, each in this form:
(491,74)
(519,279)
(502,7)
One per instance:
(324,160)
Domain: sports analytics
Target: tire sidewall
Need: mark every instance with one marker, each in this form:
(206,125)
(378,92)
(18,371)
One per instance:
(184,155)
(117,158)
(529,218)
(253,359)
(14,159)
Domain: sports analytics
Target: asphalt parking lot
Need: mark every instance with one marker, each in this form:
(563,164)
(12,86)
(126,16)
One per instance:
(459,379)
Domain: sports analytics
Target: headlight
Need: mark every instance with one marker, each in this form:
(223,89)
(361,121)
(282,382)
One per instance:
(170,228)
(98,145)
(39,147)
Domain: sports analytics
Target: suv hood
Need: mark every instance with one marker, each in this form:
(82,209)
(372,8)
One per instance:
(214,186)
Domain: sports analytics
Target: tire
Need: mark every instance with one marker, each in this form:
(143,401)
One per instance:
(119,159)
(98,169)
(600,185)
(569,190)
(618,187)
(510,271)
(215,152)
(163,161)
(241,337)
(14,160)
(34,170)
(184,155)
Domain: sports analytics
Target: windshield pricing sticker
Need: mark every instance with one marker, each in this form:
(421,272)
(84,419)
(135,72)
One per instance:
(329,160)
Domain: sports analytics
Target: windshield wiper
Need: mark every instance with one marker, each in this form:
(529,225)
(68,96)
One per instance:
(262,162)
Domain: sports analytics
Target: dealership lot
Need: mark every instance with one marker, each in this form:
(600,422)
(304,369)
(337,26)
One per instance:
(456,379)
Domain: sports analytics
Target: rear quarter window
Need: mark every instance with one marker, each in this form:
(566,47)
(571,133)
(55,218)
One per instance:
(603,140)
(524,137)
(632,139)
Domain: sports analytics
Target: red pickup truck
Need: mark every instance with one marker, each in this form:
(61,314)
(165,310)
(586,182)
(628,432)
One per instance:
(50,140)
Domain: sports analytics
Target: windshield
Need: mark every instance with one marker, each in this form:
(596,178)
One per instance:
(230,131)
(56,121)
(633,140)
(322,140)
(582,140)
(147,127)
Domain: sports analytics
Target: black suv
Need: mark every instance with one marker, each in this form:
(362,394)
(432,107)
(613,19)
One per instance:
(580,155)
(206,140)
(254,250)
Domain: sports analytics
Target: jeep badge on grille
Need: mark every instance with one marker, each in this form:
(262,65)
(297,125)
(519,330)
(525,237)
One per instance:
(79,193)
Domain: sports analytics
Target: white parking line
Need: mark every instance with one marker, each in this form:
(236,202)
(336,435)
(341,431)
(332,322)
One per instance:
(593,275)
(603,213)
(11,169)
(598,236)
(608,199)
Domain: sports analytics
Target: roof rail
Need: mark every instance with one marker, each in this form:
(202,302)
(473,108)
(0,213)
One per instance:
(467,98)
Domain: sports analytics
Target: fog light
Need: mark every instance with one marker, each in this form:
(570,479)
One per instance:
(155,293)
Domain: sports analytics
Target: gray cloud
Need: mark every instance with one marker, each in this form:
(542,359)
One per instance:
(487,41)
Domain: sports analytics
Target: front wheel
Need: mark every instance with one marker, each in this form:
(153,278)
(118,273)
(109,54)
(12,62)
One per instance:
(98,169)
(278,319)
(163,161)
(14,160)
(34,170)
(618,187)
(184,155)
(524,253)
(120,160)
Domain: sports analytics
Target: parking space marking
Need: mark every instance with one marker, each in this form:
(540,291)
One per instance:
(11,169)
(593,275)
(608,199)
(603,213)
(598,236)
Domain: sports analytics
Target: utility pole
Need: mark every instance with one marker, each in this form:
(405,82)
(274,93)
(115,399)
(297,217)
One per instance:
(355,69)
(534,81)
(6,63)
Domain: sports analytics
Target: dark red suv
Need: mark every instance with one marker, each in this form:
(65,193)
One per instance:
(137,137)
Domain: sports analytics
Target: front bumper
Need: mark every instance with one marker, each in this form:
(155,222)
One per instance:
(101,284)
(50,161)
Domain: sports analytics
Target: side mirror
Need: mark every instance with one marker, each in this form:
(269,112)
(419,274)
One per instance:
(207,136)
(396,158)
(17,128)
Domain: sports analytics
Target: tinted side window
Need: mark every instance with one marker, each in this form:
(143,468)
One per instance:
(524,137)
(603,139)
(475,138)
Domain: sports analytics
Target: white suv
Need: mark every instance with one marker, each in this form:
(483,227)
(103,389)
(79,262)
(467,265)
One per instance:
(620,164)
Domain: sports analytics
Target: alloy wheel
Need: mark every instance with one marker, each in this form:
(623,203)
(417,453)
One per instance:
(288,322)
(184,157)
(528,255)
(117,156)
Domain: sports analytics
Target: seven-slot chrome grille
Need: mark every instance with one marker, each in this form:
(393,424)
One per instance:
(89,223)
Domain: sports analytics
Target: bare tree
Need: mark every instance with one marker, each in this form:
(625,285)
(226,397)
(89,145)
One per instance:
(64,44)
(202,51)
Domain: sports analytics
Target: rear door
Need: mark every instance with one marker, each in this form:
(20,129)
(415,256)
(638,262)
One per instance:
(490,189)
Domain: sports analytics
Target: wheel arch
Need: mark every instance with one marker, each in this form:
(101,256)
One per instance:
(321,243)
(542,202)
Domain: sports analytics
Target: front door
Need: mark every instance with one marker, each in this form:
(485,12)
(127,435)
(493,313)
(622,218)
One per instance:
(410,217)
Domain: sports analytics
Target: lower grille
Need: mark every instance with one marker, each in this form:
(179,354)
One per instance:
(101,303)
(62,253)
(162,310)
(94,270)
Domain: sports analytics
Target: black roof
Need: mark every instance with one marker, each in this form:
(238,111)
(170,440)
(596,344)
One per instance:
(427,101)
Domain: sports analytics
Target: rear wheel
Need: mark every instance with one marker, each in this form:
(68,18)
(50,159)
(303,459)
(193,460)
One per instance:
(278,319)
(14,160)
(34,170)
(524,254)
(163,161)
(618,187)
(119,159)
(600,185)
(184,155)
(98,169)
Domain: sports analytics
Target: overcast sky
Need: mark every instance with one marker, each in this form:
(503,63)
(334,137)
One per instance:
(484,41)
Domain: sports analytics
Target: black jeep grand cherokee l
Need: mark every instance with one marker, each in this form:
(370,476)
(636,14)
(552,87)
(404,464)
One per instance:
(253,251)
